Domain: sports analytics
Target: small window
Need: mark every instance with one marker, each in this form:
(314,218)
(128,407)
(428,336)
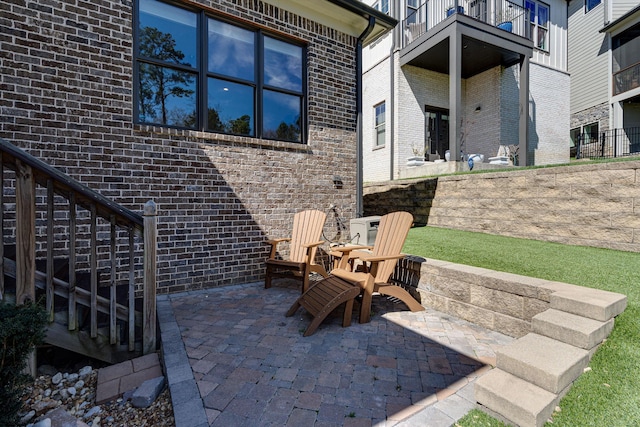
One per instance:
(590,132)
(590,4)
(413,12)
(380,124)
(382,6)
(539,22)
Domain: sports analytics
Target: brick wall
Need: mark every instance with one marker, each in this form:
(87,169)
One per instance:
(589,205)
(549,113)
(66,96)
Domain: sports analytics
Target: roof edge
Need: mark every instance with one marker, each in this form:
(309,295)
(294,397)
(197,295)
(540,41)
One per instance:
(359,8)
(618,21)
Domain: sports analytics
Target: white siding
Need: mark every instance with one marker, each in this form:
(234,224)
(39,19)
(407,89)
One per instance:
(557,55)
(620,7)
(588,57)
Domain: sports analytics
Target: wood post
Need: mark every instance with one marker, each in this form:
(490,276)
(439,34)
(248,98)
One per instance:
(26,243)
(25,234)
(149,303)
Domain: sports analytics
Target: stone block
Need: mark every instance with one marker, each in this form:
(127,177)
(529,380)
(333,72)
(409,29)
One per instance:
(497,301)
(520,402)
(451,288)
(511,326)
(147,393)
(543,361)
(592,303)
(473,314)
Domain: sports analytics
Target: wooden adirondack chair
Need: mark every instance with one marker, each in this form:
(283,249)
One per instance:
(372,275)
(304,242)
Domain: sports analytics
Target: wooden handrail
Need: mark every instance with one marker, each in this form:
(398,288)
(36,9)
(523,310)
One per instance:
(121,222)
(64,185)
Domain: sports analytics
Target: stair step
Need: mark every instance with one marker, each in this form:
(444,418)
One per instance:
(543,361)
(571,329)
(592,303)
(515,399)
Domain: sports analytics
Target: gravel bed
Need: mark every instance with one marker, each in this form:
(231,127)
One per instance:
(75,393)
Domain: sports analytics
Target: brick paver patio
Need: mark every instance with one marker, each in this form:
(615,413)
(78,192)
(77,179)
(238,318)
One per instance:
(252,366)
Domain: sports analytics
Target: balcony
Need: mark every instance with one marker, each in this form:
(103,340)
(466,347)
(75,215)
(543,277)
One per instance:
(627,79)
(494,32)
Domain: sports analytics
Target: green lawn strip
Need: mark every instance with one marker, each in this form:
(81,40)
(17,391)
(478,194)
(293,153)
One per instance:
(607,394)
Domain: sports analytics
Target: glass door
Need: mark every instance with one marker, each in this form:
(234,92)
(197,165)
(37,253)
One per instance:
(437,131)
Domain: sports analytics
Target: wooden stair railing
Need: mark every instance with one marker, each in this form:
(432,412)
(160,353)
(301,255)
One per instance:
(60,222)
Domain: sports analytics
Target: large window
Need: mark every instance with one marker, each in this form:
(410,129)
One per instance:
(539,20)
(380,124)
(195,71)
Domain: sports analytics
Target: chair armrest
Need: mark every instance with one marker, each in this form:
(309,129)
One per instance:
(274,245)
(343,255)
(367,257)
(341,250)
(311,245)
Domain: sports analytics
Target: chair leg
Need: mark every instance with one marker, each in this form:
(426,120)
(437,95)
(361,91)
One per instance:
(367,296)
(401,294)
(267,277)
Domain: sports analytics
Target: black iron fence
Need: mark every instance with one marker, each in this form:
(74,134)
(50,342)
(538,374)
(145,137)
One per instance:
(608,144)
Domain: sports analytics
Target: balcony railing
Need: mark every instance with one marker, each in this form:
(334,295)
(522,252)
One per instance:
(627,79)
(502,14)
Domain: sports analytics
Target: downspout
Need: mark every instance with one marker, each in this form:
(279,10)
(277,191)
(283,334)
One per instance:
(359,167)
(392,95)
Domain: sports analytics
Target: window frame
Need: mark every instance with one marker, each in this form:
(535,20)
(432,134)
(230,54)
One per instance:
(203,75)
(380,5)
(377,126)
(589,7)
(536,27)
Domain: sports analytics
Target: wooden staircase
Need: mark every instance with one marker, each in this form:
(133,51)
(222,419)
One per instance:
(89,261)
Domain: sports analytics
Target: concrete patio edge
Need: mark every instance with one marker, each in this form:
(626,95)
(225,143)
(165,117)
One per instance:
(188,407)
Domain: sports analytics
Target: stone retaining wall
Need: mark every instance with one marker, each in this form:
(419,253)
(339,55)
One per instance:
(502,302)
(590,205)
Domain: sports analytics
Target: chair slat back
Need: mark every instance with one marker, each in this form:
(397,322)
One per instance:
(307,228)
(391,235)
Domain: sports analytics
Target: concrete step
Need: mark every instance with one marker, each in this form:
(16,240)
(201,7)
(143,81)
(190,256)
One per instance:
(571,329)
(515,399)
(543,361)
(592,303)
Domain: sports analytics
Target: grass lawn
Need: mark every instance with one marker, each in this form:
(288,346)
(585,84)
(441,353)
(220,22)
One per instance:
(608,394)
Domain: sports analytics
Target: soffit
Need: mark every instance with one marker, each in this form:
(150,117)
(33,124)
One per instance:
(347,16)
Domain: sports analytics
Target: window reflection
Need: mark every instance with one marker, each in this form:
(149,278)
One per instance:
(167,96)
(282,64)
(231,50)
(281,116)
(230,107)
(168,33)
(196,71)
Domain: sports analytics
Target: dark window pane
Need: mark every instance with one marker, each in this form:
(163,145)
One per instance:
(282,65)
(281,116)
(167,33)
(592,3)
(230,107)
(167,96)
(231,50)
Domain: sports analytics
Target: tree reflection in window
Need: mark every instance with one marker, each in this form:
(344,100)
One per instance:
(209,73)
(166,95)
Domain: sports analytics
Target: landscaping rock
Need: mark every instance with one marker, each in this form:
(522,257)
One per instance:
(147,393)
